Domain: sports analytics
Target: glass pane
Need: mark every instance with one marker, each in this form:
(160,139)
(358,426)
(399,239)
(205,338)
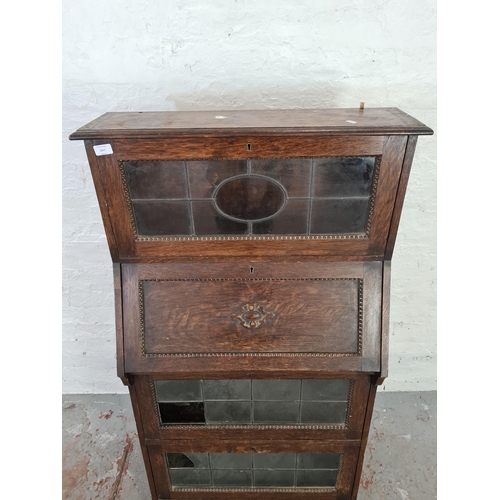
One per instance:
(247,402)
(253,470)
(291,220)
(325,390)
(288,196)
(285,390)
(234,478)
(273,478)
(190,477)
(182,460)
(275,412)
(231,460)
(318,461)
(342,177)
(178,390)
(156,179)
(205,176)
(317,478)
(339,215)
(323,413)
(228,412)
(162,218)
(207,221)
(293,174)
(182,413)
(249,198)
(274,461)
(227,389)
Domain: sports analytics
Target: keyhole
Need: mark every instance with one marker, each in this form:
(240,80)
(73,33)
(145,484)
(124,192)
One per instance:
(251,270)
(249,146)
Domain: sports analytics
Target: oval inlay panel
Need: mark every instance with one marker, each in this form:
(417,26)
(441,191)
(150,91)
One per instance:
(250,198)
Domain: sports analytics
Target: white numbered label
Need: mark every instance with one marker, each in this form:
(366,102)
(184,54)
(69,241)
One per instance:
(103,149)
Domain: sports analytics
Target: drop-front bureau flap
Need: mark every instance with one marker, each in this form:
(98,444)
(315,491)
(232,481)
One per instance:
(189,318)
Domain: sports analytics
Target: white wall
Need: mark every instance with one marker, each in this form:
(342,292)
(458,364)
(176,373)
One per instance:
(123,55)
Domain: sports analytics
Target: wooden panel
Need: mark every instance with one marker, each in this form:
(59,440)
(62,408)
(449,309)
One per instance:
(100,186)
(251,315)
(108,184)
(273,146)
(401,191)
(180,259)
(283,246)
(183,365)
(319,310)
(390,170)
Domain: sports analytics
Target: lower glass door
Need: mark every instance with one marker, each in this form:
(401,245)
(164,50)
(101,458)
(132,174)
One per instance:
(239,408)
(253,469)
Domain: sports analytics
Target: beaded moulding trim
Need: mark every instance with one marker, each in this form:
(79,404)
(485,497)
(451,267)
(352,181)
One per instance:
(252,354)
(293,489)
(312,237)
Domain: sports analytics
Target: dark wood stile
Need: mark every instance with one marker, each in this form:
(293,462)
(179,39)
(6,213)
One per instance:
(371,320)
(136,407)
(120,352)
(364,440)
(384,338)
(263,306)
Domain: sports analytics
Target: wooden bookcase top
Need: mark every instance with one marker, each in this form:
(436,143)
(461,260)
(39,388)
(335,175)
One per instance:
(158,124)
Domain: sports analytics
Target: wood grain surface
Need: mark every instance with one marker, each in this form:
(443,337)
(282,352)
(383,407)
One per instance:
(184,310)
(368,121)
(297,315)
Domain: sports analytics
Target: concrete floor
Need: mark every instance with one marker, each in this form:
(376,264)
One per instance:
(102,458)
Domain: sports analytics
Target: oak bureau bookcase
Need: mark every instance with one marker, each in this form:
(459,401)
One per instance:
(252,254)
